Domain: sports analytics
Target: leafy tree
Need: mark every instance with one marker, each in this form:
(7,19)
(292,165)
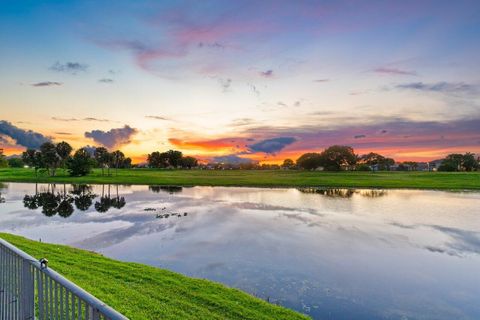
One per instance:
(64,150)
(156,160)
(189,162)
(174,158)
(117,158)
(336,158)
(453,162)
(459,162)
(81,163)
(3,160)
(469,162)
(103,158)
(288,164)
(375,159)
(15,163)
(50,158)
(127,163)
(309,161)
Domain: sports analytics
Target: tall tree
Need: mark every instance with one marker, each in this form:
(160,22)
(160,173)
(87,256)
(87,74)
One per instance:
(174,158)
(102,156)
(288,164)
(33,159)
(3,160)
(63,150)
(189,162)
(336,158)
(50,158)
(117,158)
(80,164)
(309,161)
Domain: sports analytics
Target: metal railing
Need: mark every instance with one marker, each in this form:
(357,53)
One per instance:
(30,290)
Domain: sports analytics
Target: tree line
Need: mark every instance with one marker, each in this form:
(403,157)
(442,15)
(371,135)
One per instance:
(50,157)
(336,158)
(171,159)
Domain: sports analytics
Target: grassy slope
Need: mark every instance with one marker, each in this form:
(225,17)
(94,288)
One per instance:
(424,180)
(143,292)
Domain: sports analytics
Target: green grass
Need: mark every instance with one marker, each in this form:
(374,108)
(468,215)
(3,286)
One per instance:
(143,292)
(258,178)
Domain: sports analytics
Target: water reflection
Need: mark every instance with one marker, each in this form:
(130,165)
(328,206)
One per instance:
(53,201)
(107,201)
(344,192)
(330,253)
(169,189)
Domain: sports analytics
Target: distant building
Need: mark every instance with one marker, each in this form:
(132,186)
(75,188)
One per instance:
(435,164)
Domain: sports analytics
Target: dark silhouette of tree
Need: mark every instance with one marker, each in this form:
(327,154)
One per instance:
(80,164)
(174,158)
(33,159)
(288,164)
(469,163)
(376,161)
(336,158)
(50,158)
(459,162)
(64,150)
(189,162)
(3,160)
(309,161)
(117,158)
(83,196)
(171,158)
(169,189)
(102,156)
(15,163)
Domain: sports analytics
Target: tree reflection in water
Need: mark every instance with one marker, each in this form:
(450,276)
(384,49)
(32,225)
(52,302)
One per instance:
(169,189)
(344,193)
(106,201)
(53,202)
(83,196)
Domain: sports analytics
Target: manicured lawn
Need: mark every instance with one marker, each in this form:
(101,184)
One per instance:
(259,178)
(143,292)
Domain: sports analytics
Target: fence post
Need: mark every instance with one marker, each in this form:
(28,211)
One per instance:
(27,298)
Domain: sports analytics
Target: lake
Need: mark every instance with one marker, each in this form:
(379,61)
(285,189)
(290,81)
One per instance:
(329,253)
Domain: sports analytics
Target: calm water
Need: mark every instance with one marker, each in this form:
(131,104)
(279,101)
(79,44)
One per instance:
(332,254)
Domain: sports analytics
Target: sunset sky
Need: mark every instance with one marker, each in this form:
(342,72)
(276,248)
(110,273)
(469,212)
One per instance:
(222,80)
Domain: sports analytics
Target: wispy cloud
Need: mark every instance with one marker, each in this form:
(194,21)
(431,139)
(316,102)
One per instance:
(46,84)
(69,67)
(158,118)
(394,71)
(242,122)
(114,137)
(441,87)
(266,73)
(321,80)
(77,119)
(26,138)
(359,136)
(106,80)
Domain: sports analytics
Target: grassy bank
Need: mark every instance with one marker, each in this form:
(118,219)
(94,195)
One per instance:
(143,292)
(257,178)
